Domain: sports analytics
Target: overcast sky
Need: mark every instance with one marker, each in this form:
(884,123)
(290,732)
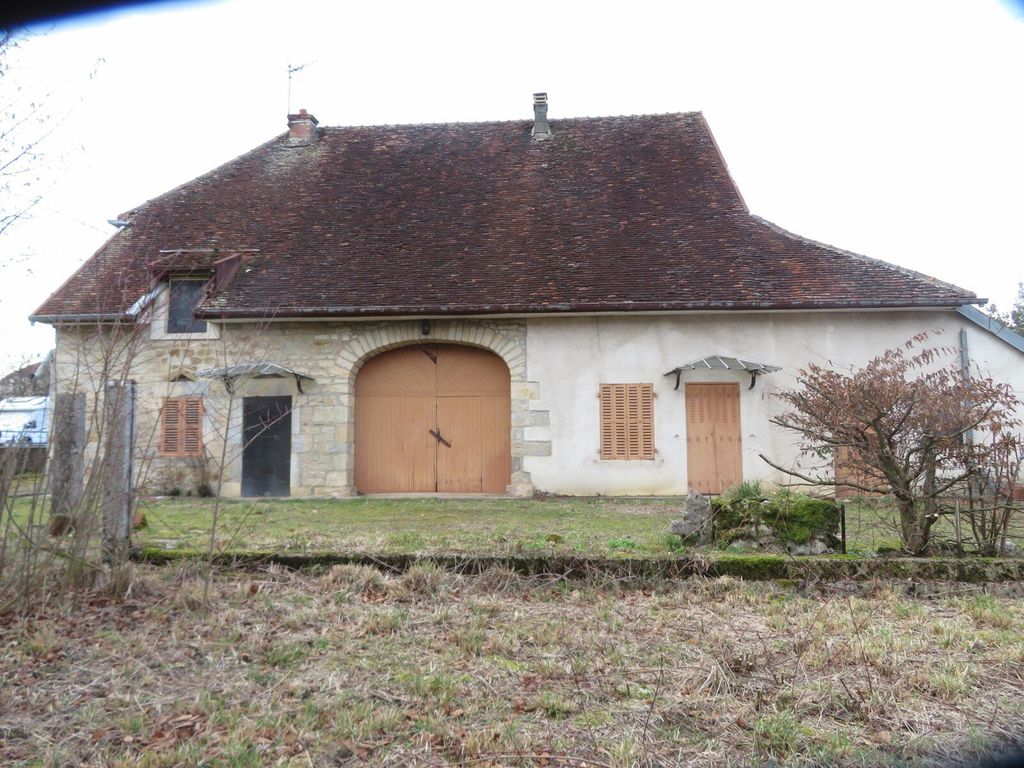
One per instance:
(894,129)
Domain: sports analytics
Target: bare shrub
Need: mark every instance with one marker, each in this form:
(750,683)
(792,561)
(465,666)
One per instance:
(994,497)
(906,423)
(52,536)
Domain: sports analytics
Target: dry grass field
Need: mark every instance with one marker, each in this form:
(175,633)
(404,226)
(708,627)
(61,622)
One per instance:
(428,668)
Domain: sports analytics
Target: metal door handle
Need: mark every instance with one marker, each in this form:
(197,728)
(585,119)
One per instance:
(437,436)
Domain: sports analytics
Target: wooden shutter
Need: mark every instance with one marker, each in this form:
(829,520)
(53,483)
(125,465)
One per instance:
(192,419)
(627,421)
(170,436)
(181,422)
(849,469)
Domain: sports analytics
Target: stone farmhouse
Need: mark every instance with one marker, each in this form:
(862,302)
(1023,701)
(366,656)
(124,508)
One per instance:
(579,306)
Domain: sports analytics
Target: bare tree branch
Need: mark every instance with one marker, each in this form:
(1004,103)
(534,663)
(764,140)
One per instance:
(904,418)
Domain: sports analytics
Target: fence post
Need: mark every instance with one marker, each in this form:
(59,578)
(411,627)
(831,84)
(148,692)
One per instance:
(67,444)
(842,528)
(119,418)
(959,540)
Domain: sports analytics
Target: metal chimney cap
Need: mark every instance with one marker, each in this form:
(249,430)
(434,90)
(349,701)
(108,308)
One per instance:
(540,98)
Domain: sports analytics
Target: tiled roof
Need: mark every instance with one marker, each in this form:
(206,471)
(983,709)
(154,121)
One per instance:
(609,214)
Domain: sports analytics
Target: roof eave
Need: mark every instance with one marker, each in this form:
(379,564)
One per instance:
(282,313)
(82,318)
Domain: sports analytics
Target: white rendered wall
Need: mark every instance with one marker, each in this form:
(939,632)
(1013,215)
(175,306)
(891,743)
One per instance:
(570,357)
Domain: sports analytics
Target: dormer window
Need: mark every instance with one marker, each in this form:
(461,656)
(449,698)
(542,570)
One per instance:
(185,295)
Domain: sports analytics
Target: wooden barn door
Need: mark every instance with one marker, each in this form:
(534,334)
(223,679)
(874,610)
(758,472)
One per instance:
(714,457)
(433,418)
(395,403)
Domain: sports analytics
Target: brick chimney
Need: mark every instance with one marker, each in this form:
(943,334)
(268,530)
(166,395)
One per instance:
(302,128)
(541,129)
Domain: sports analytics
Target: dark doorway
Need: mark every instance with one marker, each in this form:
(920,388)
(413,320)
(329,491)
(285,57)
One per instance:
(266,446)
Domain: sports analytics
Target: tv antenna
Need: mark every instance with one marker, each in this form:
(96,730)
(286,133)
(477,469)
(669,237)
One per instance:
(291,71)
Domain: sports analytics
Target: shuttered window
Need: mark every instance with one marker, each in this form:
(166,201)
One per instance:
(627,421)
(181,427)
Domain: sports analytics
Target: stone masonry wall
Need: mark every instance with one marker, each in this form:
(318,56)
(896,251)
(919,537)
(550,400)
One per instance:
(323,418)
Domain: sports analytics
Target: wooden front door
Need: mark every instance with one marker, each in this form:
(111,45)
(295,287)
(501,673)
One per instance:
(714,458)
(266,446)
(433,418)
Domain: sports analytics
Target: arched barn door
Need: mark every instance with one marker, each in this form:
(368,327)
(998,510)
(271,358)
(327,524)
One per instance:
(433,418)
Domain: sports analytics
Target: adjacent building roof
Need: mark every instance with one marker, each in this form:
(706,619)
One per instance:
(607,214)
(993,326)
(29,381)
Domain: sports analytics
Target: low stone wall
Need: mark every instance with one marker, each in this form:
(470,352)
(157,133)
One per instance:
(793,571)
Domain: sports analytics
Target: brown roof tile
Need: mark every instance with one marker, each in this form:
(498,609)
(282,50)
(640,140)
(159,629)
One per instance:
(610,214)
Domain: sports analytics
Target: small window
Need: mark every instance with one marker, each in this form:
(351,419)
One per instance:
(181,427)
(627,421)
(185,295)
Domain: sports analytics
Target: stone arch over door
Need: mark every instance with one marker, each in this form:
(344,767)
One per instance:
(433,418)
(505,338)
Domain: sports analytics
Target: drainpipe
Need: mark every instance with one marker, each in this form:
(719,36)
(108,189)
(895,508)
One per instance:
(968,436)
(965,371)
(965,358)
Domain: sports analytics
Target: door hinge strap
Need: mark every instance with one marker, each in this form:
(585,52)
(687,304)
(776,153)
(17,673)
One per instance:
(437,436)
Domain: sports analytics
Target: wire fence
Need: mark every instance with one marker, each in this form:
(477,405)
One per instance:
(873,525)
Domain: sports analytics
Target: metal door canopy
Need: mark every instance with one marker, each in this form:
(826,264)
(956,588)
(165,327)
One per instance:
(232,373)
(723,363)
